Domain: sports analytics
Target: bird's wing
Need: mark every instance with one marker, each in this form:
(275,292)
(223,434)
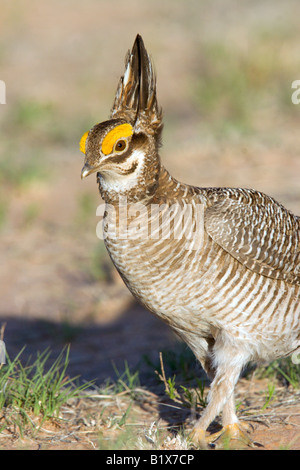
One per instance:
(256,230)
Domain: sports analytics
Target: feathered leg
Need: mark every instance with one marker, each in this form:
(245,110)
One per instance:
(220,392)
(227,366)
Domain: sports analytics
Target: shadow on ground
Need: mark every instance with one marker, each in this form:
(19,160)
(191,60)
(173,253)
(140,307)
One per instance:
(96,351)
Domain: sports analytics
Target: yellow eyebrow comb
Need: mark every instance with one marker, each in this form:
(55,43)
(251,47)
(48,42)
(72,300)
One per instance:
(123,130)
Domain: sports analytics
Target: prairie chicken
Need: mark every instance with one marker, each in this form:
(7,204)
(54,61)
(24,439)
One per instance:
(228,280)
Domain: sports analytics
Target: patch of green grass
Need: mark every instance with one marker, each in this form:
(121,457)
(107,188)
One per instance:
(189,397)
(36,122)
(127,381)
(124,440)
(20,173)
(236,84)
(30,113)
(180,361)
(3,212)
(269,396)
(34,389)
(126,390)
(283,370)
(289,372)
(127,384)
(222,89)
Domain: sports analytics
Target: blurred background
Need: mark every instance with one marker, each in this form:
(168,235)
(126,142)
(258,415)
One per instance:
(224,70)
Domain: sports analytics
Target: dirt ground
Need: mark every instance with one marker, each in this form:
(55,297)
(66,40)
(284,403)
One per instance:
(61,62)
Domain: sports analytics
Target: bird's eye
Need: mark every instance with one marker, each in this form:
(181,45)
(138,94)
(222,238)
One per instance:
(120,145)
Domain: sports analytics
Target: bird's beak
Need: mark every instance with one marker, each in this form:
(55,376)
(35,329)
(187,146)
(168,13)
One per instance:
(87,170)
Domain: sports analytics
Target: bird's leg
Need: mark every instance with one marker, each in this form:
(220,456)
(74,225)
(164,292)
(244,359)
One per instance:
(221,392)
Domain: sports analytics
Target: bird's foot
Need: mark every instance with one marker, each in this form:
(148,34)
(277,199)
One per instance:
(199,438)
(231,436)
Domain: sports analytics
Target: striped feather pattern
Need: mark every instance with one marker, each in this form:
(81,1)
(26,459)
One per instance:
(206,287)
(221,266)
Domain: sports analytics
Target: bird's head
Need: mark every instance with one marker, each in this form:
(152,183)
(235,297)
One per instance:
(124,150)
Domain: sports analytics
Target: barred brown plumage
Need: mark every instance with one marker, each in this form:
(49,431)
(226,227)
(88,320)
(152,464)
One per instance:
(221,266)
